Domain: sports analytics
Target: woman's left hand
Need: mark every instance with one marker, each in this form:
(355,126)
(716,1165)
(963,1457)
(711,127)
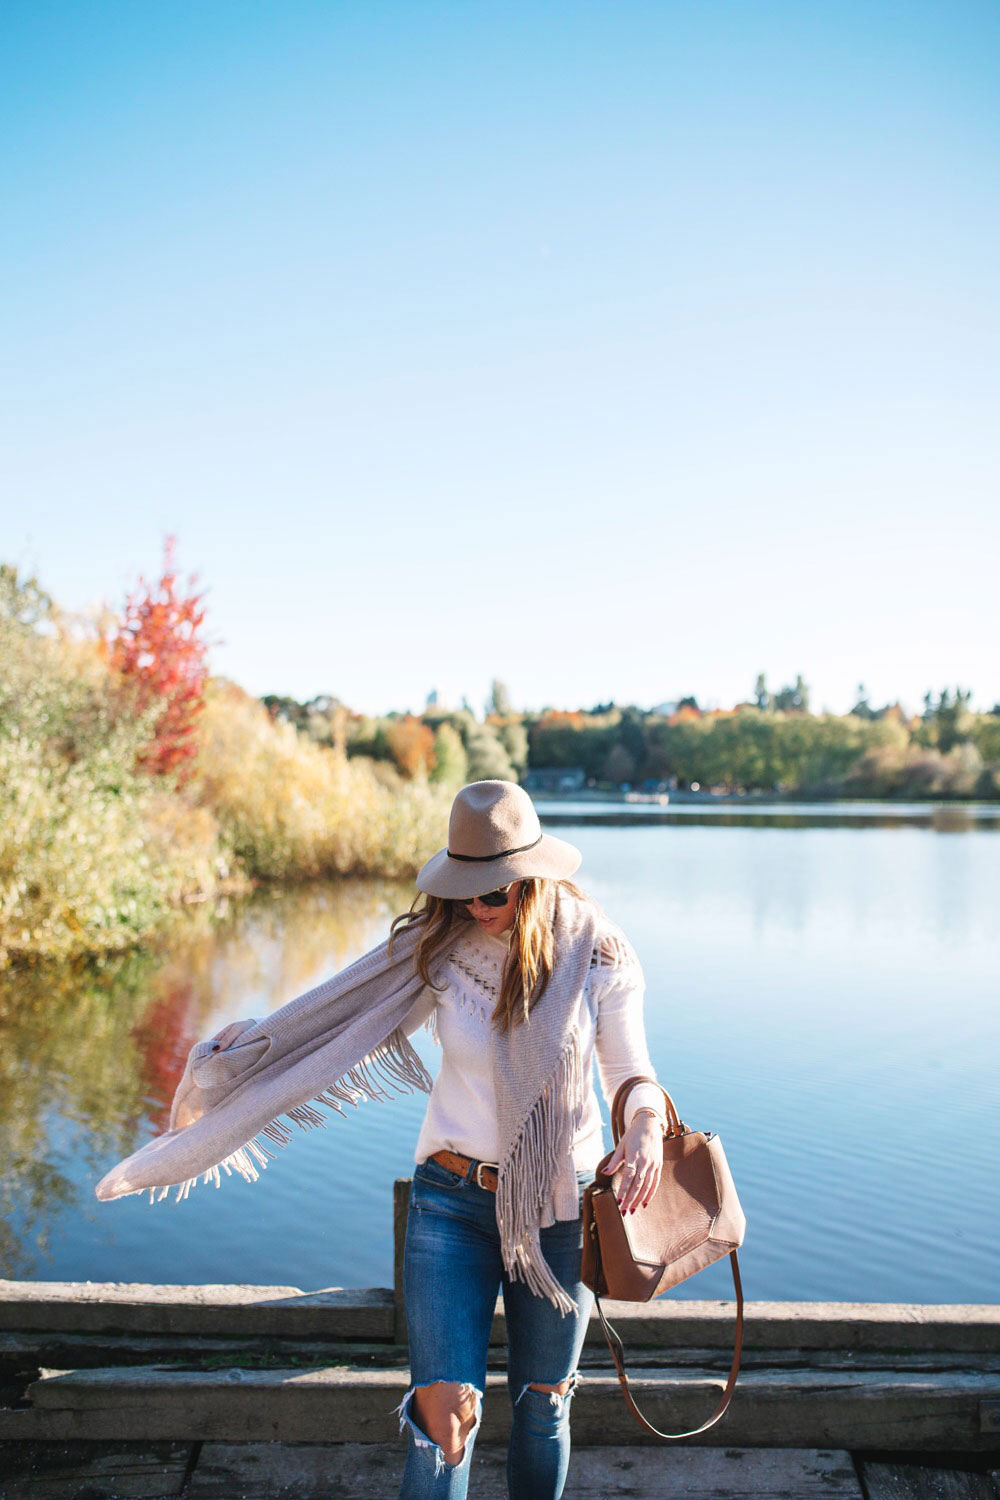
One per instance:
(640,1150)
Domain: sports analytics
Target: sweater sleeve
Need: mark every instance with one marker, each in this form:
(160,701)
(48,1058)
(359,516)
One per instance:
(621,1039)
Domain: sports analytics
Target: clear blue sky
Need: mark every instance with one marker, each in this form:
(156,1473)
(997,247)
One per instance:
(616,350)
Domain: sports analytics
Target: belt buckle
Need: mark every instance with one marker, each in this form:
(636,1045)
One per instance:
(495,1165)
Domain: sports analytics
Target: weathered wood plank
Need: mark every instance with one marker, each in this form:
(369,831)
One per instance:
(898,1481)
(713,1474)
(15,1294)
(95,1350)
(783,1408)
(335,1312)
(89,1350)
(370,1313)
(876,1327)
(400,1213)
(262,1471)
(333,1471)
(59,1471)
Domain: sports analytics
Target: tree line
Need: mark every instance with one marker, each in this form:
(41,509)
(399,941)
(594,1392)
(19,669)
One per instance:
(771,743)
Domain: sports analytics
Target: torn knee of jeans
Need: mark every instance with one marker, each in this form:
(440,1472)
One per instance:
(420,1437)
(557,1398)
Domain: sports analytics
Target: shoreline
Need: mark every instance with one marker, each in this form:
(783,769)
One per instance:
(601,797)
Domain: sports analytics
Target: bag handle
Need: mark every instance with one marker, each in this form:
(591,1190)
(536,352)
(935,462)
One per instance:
(675,1126)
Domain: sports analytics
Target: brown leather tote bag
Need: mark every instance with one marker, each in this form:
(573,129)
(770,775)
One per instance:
(693,1219)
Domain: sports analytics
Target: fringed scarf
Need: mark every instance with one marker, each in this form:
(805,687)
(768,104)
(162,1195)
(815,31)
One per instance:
(342,1042)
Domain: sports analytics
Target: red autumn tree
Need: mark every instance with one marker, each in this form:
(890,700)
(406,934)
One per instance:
(411,743)
(158,649)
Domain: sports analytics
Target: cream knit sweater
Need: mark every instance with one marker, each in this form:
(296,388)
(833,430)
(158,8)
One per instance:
(461,1111)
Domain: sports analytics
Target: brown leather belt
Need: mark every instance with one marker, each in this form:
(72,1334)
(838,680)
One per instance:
(485,1176)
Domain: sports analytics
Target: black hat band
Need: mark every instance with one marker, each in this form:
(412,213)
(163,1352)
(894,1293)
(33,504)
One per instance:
(480,858)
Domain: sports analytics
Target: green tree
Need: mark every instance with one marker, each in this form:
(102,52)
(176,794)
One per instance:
(369,737)
(761,696)
(288,709)
(862,708)
(498,701)
(947,722)
(514,738)
(565,746)
(796,697)
(487,756)
(23,601)
(618,766)
(451,764)
(631,736)
(89,859)
(986,736)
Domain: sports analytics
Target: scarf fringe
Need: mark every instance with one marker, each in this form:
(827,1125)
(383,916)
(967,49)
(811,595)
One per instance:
(536,1155)
(391,1068)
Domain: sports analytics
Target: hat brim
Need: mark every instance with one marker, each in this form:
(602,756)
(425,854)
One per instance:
(455,879)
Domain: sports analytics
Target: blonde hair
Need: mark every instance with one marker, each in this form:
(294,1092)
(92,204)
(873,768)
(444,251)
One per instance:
(528,965)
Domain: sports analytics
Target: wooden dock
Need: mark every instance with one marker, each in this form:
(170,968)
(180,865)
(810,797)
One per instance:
(190,1392)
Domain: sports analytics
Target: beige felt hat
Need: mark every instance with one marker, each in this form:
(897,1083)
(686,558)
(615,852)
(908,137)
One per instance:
(494,837)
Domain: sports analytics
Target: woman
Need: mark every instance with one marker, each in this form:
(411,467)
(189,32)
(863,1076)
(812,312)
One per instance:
(497,882)
(525,981)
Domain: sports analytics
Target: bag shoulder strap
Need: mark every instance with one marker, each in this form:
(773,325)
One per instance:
(618,1356)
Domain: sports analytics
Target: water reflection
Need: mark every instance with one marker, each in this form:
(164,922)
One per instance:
(90,1054)
(808,992)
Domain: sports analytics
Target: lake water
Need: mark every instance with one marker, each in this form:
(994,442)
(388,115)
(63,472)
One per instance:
(822,991)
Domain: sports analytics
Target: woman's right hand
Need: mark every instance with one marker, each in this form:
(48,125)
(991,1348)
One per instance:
(640,1152)
(225,1038)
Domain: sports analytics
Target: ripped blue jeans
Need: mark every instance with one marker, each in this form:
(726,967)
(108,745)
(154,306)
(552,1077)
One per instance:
(452,1273)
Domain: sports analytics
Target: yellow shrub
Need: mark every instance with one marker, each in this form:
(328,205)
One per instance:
(290,809)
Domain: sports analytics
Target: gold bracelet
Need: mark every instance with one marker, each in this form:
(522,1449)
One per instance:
(645,1109)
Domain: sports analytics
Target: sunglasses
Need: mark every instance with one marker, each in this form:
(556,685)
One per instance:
(492,898)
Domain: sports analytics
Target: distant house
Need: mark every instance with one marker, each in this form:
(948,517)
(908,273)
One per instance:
(554,779)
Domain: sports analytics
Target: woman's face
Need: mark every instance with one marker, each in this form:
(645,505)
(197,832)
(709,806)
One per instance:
(496,919)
